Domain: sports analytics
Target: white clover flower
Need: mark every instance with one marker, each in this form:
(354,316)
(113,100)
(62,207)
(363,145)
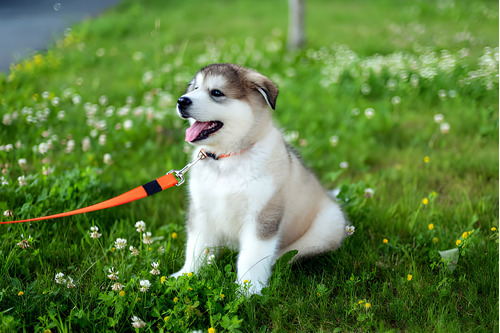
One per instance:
(103,100)
(69,283)
(146,238)
(145,284)
(86,144)
(112,274)
(133,251)
(140,226)
(9,147)
(127,124)
(47,170)
(76,99)
(369,192)
(108,159)
(444,128)
(438,118)
(137,322)
(369,113)
(396,100)
(117,286)
(94,232)
(120,243)
(155,270)
(102,139)
(70,146)
(350,229)
(22,162)
(60,278)
(334,140)
(344,165)
(22,181)
(55,101)
(291,136)
(43,148)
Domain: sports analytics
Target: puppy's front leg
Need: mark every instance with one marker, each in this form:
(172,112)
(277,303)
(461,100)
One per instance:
(255,261)
(197,248)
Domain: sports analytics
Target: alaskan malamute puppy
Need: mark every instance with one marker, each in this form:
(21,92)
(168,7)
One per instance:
(252,193)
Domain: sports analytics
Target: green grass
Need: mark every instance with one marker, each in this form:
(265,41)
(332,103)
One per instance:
(403,61)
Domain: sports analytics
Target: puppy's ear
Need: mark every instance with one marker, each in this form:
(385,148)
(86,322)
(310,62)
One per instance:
(266,88)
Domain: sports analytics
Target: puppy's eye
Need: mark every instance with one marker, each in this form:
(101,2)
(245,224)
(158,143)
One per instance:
(216,93)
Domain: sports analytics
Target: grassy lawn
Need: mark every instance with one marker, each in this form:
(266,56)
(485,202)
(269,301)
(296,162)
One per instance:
(393,102)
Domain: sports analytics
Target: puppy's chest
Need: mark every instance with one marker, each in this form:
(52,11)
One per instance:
(230,196)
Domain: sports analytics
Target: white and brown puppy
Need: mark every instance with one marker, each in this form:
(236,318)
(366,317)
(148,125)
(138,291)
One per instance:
(252,193)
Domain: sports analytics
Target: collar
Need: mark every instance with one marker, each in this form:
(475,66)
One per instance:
(216,157)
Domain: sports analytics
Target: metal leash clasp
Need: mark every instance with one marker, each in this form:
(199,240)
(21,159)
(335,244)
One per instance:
(179,174)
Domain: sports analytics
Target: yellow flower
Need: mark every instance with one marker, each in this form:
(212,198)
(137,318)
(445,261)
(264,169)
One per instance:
(176,299)
(361,302)
(166,318)
(427,159)
(211,330)
(20,293)
(112,249)
(367,305)
(435,239)
(190,274)
(162,279)
(431,226)
(385,241)
(122,293)
(425,201)
(138,299)
(409,277)
(174,235)
(222,296)
(47,331)
(493,229)
(464,235)
(458,242)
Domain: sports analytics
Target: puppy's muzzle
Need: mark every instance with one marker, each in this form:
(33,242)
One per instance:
(183,104)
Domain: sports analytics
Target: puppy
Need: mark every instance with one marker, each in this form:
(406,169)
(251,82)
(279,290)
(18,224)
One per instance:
(252,193)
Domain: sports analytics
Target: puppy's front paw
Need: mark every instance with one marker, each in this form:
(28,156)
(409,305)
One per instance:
(179,273)
(248,288)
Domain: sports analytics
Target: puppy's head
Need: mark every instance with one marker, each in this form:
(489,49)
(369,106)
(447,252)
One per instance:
(227,107)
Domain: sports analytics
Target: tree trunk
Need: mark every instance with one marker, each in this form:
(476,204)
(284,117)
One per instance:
(296,34)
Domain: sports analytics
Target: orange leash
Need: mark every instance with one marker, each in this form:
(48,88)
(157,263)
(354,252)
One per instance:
(155,186)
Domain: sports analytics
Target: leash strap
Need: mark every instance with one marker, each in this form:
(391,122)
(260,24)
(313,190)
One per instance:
(137,193)
(155,186)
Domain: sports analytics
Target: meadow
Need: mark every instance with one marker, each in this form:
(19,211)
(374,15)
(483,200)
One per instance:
(395,103)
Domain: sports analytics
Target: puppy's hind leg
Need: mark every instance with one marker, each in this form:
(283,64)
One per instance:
(325,234)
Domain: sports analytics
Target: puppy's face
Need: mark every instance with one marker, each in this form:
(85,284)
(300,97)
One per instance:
(225,104)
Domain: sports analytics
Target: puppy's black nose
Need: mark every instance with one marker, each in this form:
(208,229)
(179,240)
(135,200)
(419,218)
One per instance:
(184,102)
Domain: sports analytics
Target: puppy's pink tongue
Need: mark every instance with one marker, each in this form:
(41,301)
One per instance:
(195,130)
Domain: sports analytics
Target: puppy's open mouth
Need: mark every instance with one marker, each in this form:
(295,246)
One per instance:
(201,130)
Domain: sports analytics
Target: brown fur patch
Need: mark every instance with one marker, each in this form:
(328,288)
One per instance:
(270,217)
